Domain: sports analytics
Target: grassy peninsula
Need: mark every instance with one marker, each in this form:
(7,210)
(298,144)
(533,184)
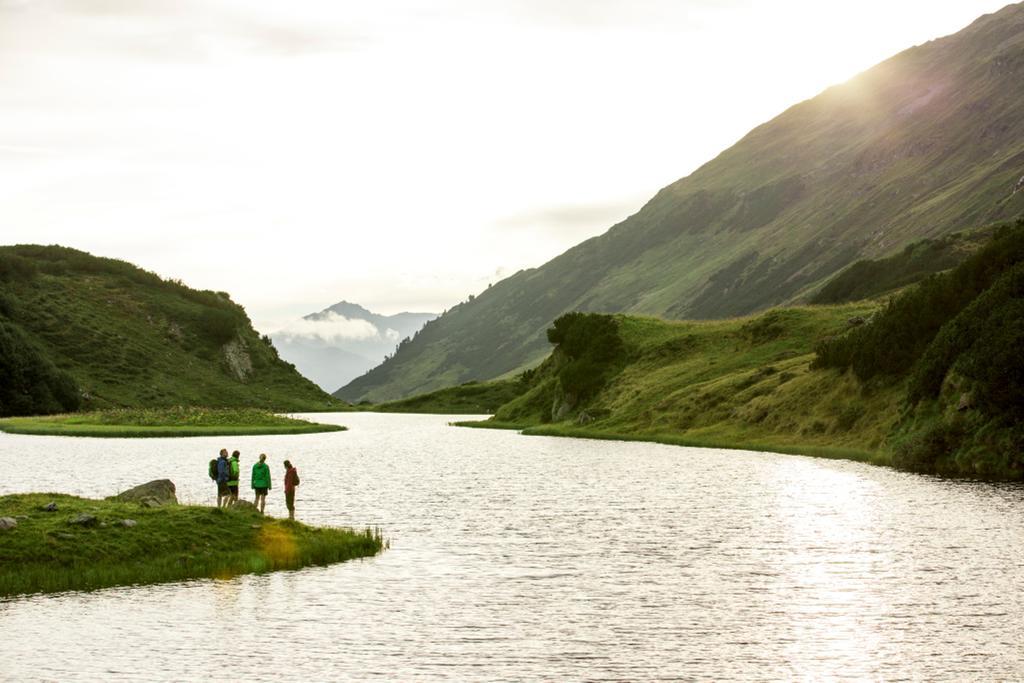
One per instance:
(164,422)
(50,552)
(930,379)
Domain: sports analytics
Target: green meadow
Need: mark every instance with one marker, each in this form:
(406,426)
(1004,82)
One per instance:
(164,422)
(48,552)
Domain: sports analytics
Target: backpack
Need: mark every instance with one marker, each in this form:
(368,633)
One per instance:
(296,471)
(213,469)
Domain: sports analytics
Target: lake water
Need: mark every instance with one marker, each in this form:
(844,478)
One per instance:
(518,557)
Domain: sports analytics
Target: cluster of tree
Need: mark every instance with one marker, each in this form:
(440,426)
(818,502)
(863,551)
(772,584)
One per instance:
(592,351)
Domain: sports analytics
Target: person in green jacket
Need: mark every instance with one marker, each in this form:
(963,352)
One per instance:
(261,481)
(233,477)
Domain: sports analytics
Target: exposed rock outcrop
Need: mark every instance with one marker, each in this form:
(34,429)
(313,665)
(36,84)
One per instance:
(236,355)
(151,494)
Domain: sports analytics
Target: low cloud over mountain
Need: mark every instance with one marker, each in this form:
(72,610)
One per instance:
(339,343)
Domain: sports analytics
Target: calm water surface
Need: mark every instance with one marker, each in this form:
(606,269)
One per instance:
(520,557)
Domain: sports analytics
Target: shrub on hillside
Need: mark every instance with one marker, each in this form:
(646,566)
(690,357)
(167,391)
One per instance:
(869,278)
(217,325)
(592,348)
(30,384)
(985,343)
(898,336)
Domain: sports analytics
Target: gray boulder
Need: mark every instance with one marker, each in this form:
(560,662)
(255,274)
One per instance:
(151,494)
(128,523)
(7,523)
(243,505)
(50,507)
(84,519)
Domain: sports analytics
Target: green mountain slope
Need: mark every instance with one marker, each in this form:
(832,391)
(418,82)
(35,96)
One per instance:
(78,331)
(926,143)
(932,380)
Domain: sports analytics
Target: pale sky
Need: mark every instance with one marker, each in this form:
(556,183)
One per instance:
(400,154)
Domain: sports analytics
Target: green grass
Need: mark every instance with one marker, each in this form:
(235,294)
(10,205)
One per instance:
(164,422)
(744,383)
(45,553)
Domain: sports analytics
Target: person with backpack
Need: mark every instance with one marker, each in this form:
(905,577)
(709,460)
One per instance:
(261,481)
(291,480)
(222,475)
(236,470)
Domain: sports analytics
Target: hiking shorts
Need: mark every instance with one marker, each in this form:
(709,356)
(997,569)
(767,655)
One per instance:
(223,489)
(289,499)
(234,490)
(261,492)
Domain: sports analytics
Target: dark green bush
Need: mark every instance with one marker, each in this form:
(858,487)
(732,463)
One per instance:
(923,451)
(217,325)
(893,341)
(15,267)
(985,342)
(593,352)
(29,383)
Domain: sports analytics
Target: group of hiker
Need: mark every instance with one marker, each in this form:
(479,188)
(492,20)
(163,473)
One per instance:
(226,471)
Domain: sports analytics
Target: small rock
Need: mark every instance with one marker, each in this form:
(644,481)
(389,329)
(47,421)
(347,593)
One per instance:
(65,536)
(128,523)
(243,505)
(254,526)
(966,401)
(21,517)
(856,321)
(7,523)
(84,520)
(50,507)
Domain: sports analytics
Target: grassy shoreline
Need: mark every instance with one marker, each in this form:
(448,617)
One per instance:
(49,553)
(816,451)
(164,422)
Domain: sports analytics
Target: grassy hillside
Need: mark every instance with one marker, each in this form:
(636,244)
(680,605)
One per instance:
(932,380)
(927,143)
(82,332)
(869,278)
(742,382)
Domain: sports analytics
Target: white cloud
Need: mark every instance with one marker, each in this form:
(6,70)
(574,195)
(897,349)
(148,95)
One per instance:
(332,328)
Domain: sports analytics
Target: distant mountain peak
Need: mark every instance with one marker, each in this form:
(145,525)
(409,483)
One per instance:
(342,341)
